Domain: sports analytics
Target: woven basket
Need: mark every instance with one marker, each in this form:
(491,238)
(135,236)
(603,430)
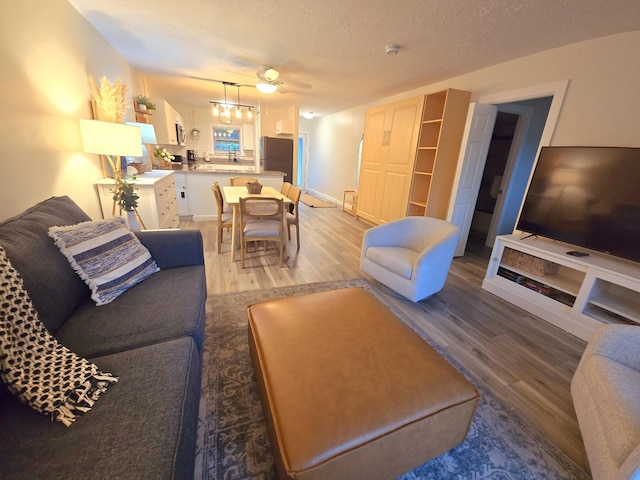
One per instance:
(254,187)
(529,263)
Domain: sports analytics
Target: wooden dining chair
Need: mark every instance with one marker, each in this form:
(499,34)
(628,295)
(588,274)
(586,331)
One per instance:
(293,218)
(225,219)
(241,181)
(262,218)
(284,190)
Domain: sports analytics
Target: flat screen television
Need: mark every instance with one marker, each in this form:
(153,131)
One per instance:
(588,197)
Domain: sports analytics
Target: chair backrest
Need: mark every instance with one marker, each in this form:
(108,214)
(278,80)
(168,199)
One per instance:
(294,195)
(241,181)
(285,188)
(260,208)
(217,192)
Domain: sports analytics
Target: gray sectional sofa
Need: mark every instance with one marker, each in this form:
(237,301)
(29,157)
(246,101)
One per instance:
(151,337)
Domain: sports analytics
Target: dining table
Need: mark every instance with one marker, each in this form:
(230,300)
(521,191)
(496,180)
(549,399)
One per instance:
(232,196)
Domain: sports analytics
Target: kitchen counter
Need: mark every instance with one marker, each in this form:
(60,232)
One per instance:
(230,168)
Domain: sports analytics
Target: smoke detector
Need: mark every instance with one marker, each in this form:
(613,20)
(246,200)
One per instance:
(392,49)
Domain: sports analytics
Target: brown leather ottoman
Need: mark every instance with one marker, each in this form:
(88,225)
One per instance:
(349,391)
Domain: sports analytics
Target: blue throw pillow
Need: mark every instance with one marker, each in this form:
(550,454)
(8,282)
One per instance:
(106,255)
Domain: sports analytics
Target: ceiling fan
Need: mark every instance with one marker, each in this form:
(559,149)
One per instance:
(269,81)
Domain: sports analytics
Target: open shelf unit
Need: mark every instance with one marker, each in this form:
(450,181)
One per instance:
(580,294)
(441,128)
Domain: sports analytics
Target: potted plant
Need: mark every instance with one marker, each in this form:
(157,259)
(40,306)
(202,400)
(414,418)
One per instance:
(143,103)
(124,194)
(165,155)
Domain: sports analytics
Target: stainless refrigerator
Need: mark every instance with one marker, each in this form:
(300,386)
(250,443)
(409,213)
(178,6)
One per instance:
(276,154)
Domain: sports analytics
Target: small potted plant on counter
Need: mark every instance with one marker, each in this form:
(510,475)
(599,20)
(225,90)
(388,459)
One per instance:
(125,196)
(143,103)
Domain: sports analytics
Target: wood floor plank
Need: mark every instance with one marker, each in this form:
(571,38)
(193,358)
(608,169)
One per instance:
(526,362)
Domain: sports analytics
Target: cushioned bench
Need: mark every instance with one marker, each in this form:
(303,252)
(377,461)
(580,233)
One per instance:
(349,391)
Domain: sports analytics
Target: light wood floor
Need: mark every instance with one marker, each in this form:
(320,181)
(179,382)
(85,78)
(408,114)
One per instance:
(523,360)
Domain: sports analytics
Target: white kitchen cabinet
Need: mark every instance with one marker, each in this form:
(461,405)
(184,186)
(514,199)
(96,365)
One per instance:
(284,127)
(248,137)
(182,200)
(164,122)
(157,204)
(577,294)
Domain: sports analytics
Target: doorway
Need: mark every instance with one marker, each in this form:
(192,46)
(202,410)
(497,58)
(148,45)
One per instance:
(537,110)
(301,179)
(491,182)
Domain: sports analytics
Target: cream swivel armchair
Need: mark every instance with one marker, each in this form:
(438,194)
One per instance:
(411,255)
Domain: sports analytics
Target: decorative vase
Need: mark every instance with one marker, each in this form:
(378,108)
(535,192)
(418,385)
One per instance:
(132,220)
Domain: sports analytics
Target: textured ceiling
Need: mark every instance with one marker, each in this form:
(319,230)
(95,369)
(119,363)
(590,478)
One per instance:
(337,46)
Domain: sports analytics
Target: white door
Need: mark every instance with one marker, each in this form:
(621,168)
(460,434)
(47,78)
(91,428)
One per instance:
(475,146)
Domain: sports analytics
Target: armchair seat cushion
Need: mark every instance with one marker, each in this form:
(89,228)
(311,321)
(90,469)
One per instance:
(399,260)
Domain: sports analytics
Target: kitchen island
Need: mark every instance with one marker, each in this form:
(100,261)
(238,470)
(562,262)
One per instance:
(193,183)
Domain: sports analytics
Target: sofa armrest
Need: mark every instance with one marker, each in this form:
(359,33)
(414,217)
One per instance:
(620,343)
(173,248)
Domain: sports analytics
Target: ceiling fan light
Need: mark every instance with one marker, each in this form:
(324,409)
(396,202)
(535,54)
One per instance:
(271,74)
(308,115)
(267,88)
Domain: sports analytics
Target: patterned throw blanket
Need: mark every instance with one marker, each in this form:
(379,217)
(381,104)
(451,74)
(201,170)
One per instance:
(44,374)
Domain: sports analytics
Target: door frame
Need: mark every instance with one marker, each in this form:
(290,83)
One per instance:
(556,90)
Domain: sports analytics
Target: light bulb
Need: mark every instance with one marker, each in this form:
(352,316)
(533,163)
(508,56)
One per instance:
(216,110)
(249,114)
(238,113)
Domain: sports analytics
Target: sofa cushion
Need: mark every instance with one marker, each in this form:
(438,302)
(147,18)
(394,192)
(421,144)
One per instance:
(618,389)
(44,270)
(145,427)
(167,305)
(106,255)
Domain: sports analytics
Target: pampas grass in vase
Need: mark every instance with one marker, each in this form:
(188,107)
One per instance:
(110,100)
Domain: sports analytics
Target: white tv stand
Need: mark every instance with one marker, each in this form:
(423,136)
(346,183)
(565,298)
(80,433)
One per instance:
(584,293)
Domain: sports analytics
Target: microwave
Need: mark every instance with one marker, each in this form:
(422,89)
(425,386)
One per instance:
(180,135)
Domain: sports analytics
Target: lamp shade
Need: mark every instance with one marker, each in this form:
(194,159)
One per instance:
(147,131)
(105,138)
(267,88)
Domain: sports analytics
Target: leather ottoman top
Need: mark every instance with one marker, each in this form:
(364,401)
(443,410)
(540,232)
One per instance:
(341,370)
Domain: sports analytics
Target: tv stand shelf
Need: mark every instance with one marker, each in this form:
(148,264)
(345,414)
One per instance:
(579,293)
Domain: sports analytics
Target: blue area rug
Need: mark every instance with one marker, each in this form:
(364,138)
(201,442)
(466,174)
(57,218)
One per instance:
(232,436)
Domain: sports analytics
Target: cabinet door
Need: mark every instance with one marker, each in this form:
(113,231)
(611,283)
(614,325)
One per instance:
(403,138)
(372,164)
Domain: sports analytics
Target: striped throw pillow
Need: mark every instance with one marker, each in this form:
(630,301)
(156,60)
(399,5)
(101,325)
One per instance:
(106,255)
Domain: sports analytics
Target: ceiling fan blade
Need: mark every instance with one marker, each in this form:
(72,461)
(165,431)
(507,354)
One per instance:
(293,84)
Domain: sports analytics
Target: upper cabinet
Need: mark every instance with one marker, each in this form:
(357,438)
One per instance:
(166,122)
(441,132)
(388,153)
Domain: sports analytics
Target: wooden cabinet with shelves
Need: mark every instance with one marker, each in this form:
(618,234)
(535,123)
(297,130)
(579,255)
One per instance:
(157,204)
(580,294)
(440,134)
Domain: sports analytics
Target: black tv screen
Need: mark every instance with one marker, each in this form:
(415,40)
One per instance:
(588,197)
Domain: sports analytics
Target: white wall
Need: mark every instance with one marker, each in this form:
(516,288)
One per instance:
(600,107)
(47,53)
(334,141)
